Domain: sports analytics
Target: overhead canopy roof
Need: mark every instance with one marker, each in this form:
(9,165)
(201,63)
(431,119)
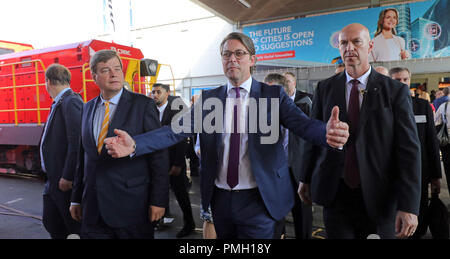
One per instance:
(236,12)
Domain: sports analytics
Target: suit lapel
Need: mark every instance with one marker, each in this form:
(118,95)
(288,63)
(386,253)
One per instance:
(166,115)
(340,88)
(372,90)
(222,95)
(90,115)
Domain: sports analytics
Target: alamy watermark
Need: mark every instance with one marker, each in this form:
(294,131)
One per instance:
(214,116)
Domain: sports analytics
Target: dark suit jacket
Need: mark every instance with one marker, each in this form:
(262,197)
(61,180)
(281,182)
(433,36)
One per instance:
(431,163)
(268,161)
(121,190)
(387,147)
(296,144)
(177,152)
(60,146)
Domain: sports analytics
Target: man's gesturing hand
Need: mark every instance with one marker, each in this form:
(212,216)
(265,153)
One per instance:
(121,145)
(337,131)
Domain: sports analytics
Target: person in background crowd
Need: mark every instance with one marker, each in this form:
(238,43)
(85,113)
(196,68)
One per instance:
(422,92)
(430,161)
(194,162)
(442,96)
(177,162)
(387,46)
(340,68)
(432,96)
(117,198)
(59,148)
(439,120)
(293,147)
(373,185)
(243,177)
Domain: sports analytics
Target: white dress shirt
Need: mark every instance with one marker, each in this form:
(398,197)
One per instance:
(161,110)
(246,178)
(361,87)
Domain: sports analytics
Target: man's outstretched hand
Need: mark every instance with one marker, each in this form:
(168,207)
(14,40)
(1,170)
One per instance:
(337,131)
(121,145)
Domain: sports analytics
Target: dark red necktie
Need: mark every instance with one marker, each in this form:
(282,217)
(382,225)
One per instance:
(351,174)
(233,156)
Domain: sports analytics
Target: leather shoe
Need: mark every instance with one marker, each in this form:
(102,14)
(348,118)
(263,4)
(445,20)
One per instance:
(185,231)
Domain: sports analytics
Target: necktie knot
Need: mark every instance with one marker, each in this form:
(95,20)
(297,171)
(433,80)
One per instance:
(238,92)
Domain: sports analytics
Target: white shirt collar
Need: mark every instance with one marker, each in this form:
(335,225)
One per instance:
(362,79)
(162,107)
(246,85)
(293,96)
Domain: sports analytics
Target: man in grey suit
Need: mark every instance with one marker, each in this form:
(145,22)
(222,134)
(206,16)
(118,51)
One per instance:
(59,147)
(374,185)
(294,147)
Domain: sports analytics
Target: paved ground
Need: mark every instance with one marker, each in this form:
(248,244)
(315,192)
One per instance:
(21,208)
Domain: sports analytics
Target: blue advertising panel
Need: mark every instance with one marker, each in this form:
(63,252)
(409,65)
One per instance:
(424,27)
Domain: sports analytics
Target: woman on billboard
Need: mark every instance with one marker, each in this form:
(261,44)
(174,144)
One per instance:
(387,46)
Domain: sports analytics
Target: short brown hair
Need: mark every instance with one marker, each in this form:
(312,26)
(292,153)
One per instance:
(244,39)
(103,56)
(58,74)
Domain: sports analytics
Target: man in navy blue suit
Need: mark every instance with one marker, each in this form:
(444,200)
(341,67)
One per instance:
(245,177)
(59,149)
(117,198)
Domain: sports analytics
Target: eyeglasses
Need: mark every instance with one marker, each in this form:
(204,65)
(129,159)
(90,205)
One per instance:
(239,54)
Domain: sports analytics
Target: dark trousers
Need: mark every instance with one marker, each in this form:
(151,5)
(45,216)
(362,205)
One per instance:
(56,216)
(194,162)
(422,226)
(178,184)
(241,215)
(301,214)
(347,218)
(102,231)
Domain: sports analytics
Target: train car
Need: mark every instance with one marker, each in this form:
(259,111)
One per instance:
(25,103)
(12,47)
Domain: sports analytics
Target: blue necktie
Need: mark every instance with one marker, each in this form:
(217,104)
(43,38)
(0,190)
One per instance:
(233,156)
(351,174)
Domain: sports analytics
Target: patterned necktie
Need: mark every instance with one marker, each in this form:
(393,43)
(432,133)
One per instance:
(351,174)
(104,130)
(233,156)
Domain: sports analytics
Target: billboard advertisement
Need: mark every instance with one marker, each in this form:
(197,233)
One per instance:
(422,30)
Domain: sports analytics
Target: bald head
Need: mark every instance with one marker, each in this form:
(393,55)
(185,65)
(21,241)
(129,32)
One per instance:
(355,46)
(356,28)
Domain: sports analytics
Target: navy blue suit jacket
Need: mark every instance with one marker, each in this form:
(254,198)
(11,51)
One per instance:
(268,161)
(61,143)
(121,190)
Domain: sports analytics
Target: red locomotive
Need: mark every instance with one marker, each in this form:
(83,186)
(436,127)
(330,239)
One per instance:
(25,104)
